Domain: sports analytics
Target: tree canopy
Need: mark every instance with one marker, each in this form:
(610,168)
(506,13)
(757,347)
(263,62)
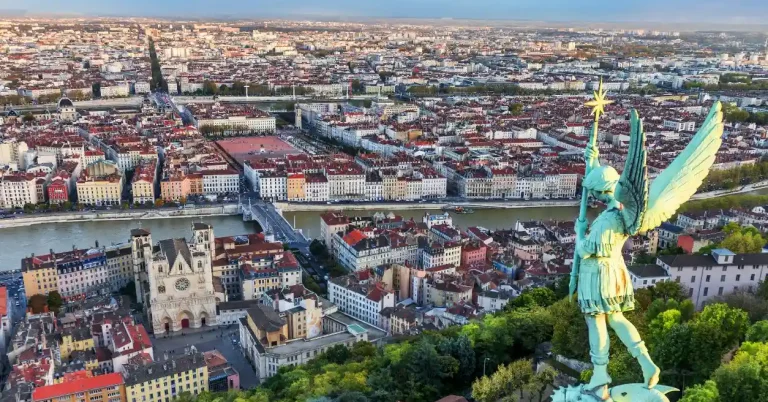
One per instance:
(490,357)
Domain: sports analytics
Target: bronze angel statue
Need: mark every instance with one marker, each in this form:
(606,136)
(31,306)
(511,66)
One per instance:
(599,277)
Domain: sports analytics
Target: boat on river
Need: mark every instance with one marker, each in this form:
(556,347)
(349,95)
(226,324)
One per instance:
(458,209)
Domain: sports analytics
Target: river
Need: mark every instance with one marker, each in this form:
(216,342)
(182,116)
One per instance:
(17,243)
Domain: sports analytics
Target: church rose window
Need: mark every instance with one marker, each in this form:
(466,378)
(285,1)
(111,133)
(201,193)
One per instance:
(182,284)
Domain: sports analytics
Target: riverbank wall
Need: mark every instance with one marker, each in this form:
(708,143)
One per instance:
(722,193)
(120,215)
(384,206)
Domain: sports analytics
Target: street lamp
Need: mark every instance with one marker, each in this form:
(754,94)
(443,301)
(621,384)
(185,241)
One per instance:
(485,361)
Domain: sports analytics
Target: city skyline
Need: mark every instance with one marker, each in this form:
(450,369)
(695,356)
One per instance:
(685,11)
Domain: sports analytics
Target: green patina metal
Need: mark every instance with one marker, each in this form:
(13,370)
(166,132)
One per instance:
(599,276)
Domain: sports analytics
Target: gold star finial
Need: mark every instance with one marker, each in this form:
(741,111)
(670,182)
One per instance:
(599,101)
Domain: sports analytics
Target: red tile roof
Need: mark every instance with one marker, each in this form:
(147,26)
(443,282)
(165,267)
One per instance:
(3,301)
(68,388)
(354,237)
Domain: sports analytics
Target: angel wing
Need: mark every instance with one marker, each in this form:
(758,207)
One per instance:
(632,189)
(680,180)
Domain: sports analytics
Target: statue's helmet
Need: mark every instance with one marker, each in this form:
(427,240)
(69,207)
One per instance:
(603,178)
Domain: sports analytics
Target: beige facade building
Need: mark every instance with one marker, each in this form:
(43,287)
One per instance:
(296,187)
(143,182)
(100,184)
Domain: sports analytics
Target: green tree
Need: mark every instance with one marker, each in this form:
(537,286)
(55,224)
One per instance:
(318,249)
(758,332)
(669,290)
(732,322)
(357,87)
(660,325)
(54,300)
(516,109)
(505,383)
(310,283)
(157,82)
(542,297)
(744,379)
(714,332)
(28,117)
(336,270)
(539,384)
(460,348)
(37,303)
(742,240)
(560,287)
(733,114)
(672,353)
(756,308)
(731,228)
(209,88)
(706,392)
(570,337)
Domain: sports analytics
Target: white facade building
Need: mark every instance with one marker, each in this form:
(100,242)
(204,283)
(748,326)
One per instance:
(357,296)
(709,276)
(272,186)
(217,182)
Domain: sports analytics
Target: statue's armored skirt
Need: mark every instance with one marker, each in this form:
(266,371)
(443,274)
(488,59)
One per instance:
(604,284)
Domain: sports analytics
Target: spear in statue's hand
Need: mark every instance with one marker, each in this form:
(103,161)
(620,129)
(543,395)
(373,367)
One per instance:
(598,107)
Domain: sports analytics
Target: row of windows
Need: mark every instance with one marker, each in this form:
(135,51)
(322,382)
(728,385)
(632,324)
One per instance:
(722,278)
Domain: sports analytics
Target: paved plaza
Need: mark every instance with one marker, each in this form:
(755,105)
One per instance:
(221,340)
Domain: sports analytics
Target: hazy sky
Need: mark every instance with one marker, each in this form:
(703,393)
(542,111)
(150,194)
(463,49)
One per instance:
(722,11)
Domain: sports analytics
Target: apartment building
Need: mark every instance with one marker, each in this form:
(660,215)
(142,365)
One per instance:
(100,184)
(272,186)
(709,276)
(356,251)
(439,254)
(296,187)
(360,296)
(175,188)
(100,388)
(166,379)
(219,182)
(446,290)
(143,182)
(239,123)
(78,272)
(264,273)
(233,252)
(330,224)
(317,188)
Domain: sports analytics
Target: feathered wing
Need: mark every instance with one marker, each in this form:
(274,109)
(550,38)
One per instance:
(680,180)
(632,189)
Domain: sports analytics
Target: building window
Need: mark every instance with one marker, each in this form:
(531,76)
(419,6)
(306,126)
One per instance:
(720,291)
